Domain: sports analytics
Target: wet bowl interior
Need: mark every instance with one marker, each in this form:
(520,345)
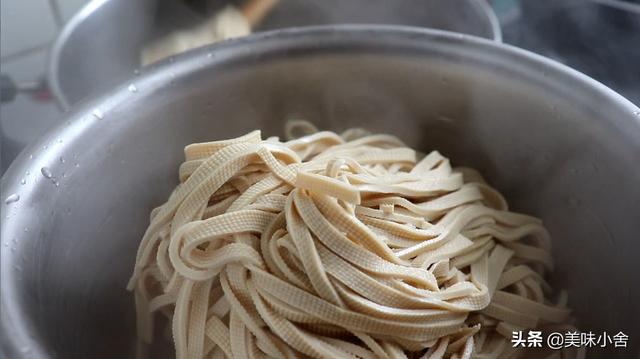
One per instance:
(558,145)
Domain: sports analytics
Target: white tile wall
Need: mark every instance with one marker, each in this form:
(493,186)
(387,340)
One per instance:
(25,25)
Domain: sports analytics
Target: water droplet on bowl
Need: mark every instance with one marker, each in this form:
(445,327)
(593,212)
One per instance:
(132,88)
(46,172)
(31,156)
(27,173)
(136,72)
(12,198)
(77,164)
(62,160)
(636,112)
(23,181)
(59,140)
(98,114)
(209,55)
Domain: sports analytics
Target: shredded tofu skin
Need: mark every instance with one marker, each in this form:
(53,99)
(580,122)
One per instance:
(344,245)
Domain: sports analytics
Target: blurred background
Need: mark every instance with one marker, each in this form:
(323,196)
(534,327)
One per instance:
(56,53)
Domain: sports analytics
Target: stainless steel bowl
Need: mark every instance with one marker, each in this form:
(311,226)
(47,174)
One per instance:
(558,144)
(100,46)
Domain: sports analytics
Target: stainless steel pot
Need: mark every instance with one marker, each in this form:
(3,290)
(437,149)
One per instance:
(558,144)
(100,46)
